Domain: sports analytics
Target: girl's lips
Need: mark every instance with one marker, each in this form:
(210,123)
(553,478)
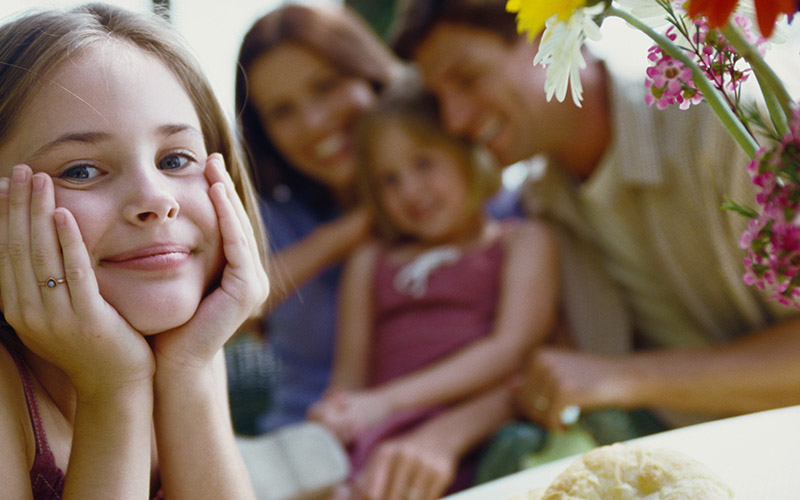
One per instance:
(156,258)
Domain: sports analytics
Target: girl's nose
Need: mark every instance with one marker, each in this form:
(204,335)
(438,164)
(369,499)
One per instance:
(149,199)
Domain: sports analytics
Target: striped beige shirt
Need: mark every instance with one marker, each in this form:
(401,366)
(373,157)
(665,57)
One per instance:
(647,246)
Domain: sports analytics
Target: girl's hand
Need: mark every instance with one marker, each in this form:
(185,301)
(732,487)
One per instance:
(411,467)
(68,324)
(349,413)
(242,289)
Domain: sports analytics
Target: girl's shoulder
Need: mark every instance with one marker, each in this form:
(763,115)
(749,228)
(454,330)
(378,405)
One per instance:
(16,431)
(12,393)
(517,231)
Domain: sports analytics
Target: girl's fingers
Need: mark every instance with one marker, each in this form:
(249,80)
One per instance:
(216,172)
(19,237)
(46,255)
(7,280)
(78,271)
(402,475)
(234,241)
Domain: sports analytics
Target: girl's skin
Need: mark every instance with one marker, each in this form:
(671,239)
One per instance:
(310,114)
(107,183)
(424,190)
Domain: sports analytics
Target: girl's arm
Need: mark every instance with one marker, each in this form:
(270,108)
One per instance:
(292,266)
(353,341)
(100,369)
(198,458)
(197,451)
(527,312)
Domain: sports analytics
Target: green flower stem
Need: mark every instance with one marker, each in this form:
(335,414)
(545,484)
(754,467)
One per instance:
(776,97)
(710,93)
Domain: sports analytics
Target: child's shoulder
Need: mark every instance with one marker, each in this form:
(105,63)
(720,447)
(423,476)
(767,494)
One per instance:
(15,429)
(10,379)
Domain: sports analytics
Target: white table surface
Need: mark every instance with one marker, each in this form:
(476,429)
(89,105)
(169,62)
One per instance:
(757,455)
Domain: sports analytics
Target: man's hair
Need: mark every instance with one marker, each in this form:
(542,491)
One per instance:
(415,19)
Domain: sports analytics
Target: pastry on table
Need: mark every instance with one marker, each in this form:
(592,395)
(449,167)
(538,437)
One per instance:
(633,472)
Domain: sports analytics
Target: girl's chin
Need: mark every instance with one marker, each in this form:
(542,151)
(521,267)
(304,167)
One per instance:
(157,319)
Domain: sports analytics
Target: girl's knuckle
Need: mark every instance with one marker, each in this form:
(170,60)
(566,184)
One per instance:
(16,249)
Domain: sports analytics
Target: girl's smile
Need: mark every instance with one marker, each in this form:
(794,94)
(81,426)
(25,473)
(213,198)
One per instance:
(160,257)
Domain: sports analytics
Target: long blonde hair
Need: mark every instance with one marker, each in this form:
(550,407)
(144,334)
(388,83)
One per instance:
(37,42)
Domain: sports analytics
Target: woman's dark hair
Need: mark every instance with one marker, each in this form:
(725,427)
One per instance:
(337,34)
(415,19)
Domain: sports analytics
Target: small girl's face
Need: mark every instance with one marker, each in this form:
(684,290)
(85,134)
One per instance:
(423,187)
(122,141)
(309,109)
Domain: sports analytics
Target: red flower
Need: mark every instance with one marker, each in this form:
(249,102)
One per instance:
(767,11)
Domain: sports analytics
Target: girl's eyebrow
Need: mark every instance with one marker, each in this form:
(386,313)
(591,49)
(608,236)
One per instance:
(96,137)
(177,128)
(85,137)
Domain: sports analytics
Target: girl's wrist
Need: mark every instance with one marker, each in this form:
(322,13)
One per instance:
(114,394)
(181,374)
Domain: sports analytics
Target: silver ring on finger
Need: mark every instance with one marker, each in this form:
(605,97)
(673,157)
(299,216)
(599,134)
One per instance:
(51,282)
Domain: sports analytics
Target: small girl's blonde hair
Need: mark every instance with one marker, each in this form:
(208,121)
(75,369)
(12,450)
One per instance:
(417,112)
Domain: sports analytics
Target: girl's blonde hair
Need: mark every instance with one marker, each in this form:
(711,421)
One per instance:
(32,45)
(417,113)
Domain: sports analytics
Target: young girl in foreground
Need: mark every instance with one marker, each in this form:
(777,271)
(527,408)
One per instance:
(449,302)
(126,261)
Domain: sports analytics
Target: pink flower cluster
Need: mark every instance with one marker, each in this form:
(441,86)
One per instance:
(772,238)
(670,82)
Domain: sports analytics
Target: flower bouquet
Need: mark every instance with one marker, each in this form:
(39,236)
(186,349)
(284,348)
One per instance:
(704,50)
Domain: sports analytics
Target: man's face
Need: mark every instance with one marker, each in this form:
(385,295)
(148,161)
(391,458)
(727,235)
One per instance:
(487,88)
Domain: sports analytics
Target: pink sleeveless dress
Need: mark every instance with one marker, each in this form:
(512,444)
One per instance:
(454,305)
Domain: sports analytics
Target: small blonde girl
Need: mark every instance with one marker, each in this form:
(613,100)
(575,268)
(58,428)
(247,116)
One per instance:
(447,303)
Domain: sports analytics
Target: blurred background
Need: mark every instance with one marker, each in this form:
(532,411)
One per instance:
(213,28)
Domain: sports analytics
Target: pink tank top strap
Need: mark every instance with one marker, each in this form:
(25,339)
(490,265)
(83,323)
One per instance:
(47,479)
(30,399)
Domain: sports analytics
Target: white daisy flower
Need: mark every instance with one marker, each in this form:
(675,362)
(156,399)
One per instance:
(560,52)
(648,11)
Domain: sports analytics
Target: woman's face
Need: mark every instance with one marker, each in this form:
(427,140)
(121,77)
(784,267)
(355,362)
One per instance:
(309,108)
(121,140)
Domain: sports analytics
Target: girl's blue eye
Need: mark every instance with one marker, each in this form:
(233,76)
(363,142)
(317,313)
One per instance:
(173,162)
(80,173)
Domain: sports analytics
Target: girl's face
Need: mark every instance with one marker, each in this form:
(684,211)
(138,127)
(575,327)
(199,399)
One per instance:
(422,187)
(121,139)
(309,109)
